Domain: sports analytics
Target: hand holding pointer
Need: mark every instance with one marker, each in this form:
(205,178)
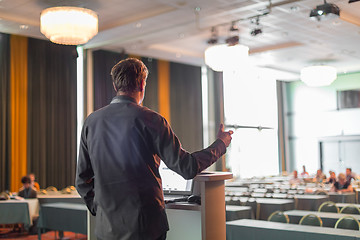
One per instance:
(224,136)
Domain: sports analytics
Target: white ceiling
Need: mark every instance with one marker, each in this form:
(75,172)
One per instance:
(175,31)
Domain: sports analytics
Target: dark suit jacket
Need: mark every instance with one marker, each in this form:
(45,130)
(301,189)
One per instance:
(27,193)
(117,172)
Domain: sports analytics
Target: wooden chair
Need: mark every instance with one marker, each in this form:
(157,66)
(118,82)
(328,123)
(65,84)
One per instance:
(348,222)
(278,216)
(328,206)
(311,220)
(350,209)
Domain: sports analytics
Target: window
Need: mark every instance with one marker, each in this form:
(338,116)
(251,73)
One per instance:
(250,100)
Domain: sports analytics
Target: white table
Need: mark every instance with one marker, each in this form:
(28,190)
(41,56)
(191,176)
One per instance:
(19,211)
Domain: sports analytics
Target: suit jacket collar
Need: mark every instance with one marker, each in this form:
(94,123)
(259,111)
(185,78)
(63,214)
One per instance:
(123,99)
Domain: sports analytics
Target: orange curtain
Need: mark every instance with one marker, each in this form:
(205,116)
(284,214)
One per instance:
(164,89)
(18,109)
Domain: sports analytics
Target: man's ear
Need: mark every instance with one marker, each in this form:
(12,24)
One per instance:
(142,84)
(114,86)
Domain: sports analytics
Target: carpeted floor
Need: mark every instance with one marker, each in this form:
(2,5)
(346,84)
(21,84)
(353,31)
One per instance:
(10,235)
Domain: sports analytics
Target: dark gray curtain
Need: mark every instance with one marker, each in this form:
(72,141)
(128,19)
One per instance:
(52,113)
(186,105)
(103,88)
(151,95)
(4,111)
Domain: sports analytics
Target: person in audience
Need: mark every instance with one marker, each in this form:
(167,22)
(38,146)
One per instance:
(121,146)
(320,176)
(27,191)
(34,184)
(332,178)
(342,185)
(304,173)
(295,180)
(350,175)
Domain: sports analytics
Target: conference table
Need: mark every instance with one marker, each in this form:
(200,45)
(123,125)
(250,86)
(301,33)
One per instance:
(328,219)
(58,197)
(309,201)
(341,205)
(262,207)
(346,197)
(238,212)
(250,229)
(266,206)
(19,211)
(63,217)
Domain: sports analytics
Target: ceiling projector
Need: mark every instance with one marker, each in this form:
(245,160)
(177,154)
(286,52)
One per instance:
(325,11)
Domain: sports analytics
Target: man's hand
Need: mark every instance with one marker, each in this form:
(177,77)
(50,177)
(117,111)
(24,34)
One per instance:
(224,136)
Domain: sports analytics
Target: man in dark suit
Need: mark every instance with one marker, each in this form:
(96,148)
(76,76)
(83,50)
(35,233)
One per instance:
(120,150)
(27,191)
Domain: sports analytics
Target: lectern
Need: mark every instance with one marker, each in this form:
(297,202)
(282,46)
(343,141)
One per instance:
(206,221)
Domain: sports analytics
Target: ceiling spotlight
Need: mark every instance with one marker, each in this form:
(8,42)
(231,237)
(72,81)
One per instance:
(214,36)
(234,27)
(231,41)
(256,31)
(325,11)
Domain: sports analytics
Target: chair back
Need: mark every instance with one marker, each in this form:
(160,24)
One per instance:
(321,192)
(43,192)
(66,191)
(351,209)
(51,190)
(4,196)
(278,216)
(311,220)
(328,206)
(72,188)
(348,222)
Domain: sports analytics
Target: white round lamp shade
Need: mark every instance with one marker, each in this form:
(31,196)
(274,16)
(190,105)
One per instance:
(221,57)
(316,76)
(69,25)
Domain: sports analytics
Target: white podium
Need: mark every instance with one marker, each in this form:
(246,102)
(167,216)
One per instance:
(206,221)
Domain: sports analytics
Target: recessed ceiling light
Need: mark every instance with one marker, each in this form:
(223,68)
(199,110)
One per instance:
(138,25)
(24,27)
(197,9)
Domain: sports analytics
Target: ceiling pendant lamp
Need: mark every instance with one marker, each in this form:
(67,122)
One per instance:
(316,76)
(223,56)
(69,25)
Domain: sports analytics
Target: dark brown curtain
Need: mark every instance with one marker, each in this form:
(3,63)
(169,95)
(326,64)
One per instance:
(151,93)
(103,88)
(186,105)
(4,111)
(52,113)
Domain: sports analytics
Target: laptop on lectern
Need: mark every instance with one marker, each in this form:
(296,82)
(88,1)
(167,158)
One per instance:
(174,186)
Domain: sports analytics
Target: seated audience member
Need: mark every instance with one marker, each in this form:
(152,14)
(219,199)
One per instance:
(320,176)
(342,185)
(304,173)
(34,184)
(295,180)
(332,179)
(27,191)
(350,175)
